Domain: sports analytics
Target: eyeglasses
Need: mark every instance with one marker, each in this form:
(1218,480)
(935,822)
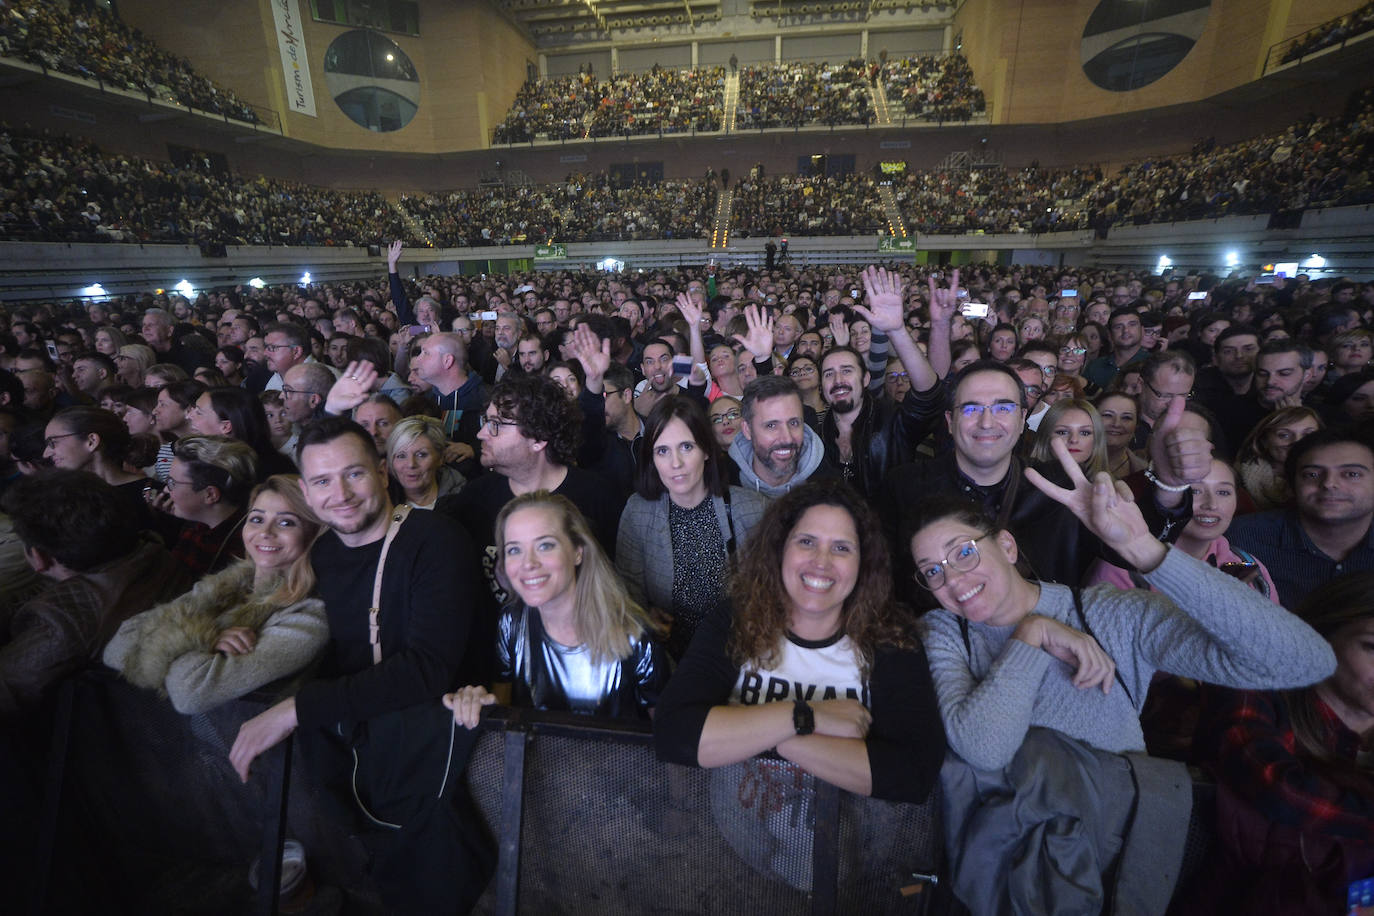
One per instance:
(49,442)
(493,425)
(801,370)
(607,391)
(1048,370)
(729,416)
(962,557)
(898,376)
(287,392)
(173,482)
(1000,410)
(1165,395)
(273,348)
(1034,391)
(1073,351)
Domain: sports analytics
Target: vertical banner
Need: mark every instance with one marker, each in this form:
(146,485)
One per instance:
(300,94)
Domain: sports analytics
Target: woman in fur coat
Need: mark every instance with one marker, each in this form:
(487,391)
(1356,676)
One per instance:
(237,630)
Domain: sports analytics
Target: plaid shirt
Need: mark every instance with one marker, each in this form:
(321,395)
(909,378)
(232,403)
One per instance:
(1259,761)
(205,550)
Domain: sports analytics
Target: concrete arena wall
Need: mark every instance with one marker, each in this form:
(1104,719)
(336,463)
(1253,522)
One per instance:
(1026,55)
(470,59)
(52,271)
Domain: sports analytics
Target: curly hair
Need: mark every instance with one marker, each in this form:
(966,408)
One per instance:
(543,412)
(870,616)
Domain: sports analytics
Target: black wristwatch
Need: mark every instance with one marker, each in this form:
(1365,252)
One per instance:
(803,717)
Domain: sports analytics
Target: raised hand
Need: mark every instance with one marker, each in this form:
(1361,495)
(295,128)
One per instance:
(1105,507)
(839,330)
(353,387)
(393,256)
(467,703)
(593,353)
(944,302)
(1181,453)
(884,308)
(759,338)
(691,311)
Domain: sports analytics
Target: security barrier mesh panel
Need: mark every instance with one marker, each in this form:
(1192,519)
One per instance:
(609,829)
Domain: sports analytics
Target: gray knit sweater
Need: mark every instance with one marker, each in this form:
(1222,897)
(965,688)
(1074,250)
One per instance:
(1201,624)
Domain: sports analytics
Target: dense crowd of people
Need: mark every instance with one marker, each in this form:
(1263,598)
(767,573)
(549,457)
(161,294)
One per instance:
(88,39)
(806,205)
(581,209)
(933,88)
(1331,33)
(60,189)
(574,107)
(1113,488)
(798,93)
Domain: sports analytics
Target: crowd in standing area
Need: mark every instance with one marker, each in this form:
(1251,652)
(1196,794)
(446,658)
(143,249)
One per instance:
(1123,513)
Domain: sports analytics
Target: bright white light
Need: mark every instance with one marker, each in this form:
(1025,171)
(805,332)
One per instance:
(610,265)
(95,289)
(256,283)
(1232,258)
(305,278)
(185,288)
(1286,269)
(1316,261)
(1164,262)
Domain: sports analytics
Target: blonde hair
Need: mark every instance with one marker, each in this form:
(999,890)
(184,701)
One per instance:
(298,581)
(412,428)
(1044,436)
(605,616)
(140,353)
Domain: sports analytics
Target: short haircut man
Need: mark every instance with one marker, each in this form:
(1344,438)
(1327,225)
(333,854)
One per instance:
(776,450)
(1329,529)
(420,652)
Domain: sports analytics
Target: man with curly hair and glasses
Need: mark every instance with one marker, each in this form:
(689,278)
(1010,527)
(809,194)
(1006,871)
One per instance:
(531,431)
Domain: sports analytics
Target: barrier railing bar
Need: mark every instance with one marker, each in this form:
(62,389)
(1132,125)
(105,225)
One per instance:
(274,830)
(825,850)
(512,810)
(52,796)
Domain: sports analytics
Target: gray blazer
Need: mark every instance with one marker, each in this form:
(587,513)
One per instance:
(644,547)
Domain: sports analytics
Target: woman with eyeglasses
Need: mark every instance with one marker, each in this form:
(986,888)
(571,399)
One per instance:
(132,361)
(684,522)
(1073,356)
(805,373)
(726,414)
(1019,661)
(811,659)
(1261,457)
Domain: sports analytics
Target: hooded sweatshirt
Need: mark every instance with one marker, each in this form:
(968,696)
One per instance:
(812,453)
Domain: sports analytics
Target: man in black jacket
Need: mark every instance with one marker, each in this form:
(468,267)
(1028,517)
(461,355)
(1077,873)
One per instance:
(864,436)
(418,650)
(986,418)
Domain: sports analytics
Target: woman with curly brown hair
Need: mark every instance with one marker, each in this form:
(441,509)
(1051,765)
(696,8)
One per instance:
(814,662)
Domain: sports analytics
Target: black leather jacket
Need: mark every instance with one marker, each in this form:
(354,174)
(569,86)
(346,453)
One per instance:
(885,435)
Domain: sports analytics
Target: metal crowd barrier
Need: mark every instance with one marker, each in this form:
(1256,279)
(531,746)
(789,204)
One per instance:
(143,813)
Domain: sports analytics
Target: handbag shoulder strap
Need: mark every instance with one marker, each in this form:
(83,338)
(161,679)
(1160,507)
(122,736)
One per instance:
(1088,630)
(374,623)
